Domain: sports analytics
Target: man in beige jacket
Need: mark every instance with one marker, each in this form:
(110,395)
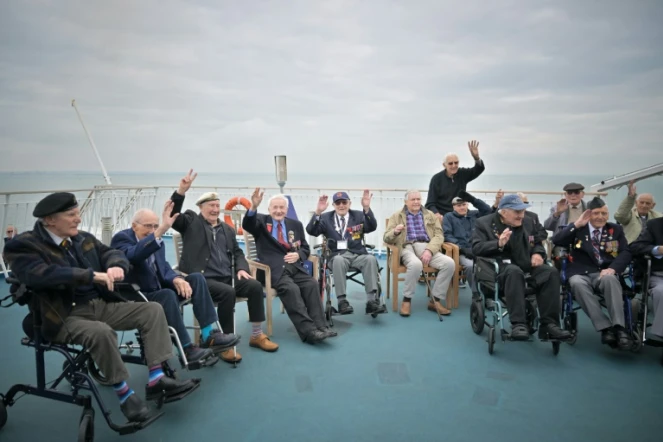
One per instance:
(634,212)
(418,234)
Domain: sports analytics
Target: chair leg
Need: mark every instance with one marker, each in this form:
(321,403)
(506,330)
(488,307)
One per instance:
(394,288)
(196,329)
(269,315)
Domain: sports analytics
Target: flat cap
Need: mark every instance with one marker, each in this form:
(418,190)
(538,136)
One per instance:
(55,203)
(573,186)
(457,200)
(208,196)
(596,203)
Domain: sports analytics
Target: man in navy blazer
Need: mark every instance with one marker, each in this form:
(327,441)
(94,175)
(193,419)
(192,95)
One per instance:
(344,230)
(281,245)
(598,254)
(144,247)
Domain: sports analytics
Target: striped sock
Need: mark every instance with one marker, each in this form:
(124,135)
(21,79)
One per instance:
(206,331)
(156,373)
(123,391)
(256,330)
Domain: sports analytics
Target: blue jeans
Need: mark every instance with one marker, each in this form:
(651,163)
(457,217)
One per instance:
(203,307)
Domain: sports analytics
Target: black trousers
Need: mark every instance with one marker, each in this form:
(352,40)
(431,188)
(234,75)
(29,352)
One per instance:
(300,296)
(225,295)
(546,283)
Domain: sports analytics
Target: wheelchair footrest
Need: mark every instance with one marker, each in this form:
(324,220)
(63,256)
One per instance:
(132,427)
(197,365)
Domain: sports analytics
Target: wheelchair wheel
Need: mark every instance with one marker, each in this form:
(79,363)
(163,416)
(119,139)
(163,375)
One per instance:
(96,374)
(491,340)
(636,335)
(555,347)
(477,316)
(86,426)
(69,376)
(3,413)
(571,324)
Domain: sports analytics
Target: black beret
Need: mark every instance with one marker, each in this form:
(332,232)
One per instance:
(573,186)
(596,203)
(55,203)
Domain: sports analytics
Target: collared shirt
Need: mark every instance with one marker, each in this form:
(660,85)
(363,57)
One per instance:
(574,213)
(416,230)
(84,293)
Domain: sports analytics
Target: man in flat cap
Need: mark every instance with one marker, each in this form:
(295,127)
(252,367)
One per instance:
(458,227)
(598,254)
(568,209)
(208,246)
(345,230)
(509,237)
(634,212)
(73,275)
(282,245)
(144,247)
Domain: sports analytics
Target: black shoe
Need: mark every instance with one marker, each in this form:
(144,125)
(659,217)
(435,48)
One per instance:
(519,332)
(134,409)
(344,307)
(624,340)
(315,336)
(373,307)
(328,332)
(167,387)
(194,353)
(218,341)
(553,331)
(608,337)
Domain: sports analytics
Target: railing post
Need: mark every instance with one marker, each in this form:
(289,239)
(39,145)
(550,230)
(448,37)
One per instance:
(106,230)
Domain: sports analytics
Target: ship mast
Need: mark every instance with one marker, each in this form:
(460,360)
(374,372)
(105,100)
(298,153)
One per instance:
(94,148)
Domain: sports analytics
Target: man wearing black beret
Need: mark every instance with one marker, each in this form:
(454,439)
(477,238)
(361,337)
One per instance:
(598,255)
(74,275)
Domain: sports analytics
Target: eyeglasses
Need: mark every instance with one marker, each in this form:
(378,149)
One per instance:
(341,202)
(452,163)
(150,226)
(573,192)
(10,231)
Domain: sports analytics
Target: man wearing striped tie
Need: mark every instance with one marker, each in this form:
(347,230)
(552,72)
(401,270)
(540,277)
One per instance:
(598,255)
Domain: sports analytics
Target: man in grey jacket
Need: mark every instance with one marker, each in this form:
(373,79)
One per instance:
(568,209)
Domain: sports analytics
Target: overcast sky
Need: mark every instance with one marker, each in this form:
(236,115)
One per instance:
(371,85)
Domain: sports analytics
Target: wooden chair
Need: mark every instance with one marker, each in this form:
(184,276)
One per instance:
(270,292)
(395,269)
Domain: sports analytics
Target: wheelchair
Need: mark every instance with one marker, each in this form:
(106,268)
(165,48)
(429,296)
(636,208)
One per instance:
(326,282)
(78,370)
(643,314)
(570,309)
(491,302)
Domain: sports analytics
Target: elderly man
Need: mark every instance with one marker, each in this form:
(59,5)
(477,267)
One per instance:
(344,230)
(281,244)
(598,255)
(634,212)
(508,236)
(446,185)
(458,227)
(10,233)
(74,274)
(143,245)
(209,245)
(568,209)
(418,235)
(650,242)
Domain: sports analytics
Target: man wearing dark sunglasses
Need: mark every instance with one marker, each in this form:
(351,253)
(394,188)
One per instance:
(568,209)
(448,183)
(10,232)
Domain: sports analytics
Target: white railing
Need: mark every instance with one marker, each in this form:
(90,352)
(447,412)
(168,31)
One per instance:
(119,203)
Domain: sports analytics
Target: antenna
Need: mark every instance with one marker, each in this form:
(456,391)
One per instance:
(89,137)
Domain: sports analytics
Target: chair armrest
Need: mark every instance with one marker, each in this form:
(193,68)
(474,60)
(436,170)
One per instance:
(254,266)
(451,249)
(316,265)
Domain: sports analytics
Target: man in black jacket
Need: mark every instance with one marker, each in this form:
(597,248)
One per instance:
(447,184)
(281,244)
(73,276)
(508,236)
(208,246)
(598,254)
(650,242)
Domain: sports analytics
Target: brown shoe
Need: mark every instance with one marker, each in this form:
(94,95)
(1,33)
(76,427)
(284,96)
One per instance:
(229,356)
(405,308)
(263,342)
(440,308)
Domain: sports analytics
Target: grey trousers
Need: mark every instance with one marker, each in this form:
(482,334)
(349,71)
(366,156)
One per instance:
(367,264)
(656,287)
(411,257)
(93,326)
(583,287)
(468,268)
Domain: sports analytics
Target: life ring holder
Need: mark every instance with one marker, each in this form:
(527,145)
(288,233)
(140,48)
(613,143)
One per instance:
(230,205)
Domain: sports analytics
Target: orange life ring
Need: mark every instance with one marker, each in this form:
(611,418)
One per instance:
(230,205)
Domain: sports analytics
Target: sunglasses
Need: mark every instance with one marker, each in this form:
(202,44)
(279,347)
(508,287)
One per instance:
(150,226)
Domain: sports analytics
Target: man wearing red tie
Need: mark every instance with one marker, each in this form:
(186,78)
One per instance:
(281,245)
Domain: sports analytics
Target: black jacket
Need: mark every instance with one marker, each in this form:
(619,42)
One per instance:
(197,240)
(359,223)
(443,189)
(41,265)
(649,238)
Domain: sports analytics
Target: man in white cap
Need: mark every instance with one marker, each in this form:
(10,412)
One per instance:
(209,245)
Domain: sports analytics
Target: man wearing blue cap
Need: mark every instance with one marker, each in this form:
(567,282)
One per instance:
(509,237)
(344,230)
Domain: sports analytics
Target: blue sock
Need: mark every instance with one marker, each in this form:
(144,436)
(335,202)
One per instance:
(186,345)
(206,331)
(123,391)
(156,373)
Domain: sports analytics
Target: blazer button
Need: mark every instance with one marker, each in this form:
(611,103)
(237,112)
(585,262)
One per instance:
(202,271)
(73,304)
